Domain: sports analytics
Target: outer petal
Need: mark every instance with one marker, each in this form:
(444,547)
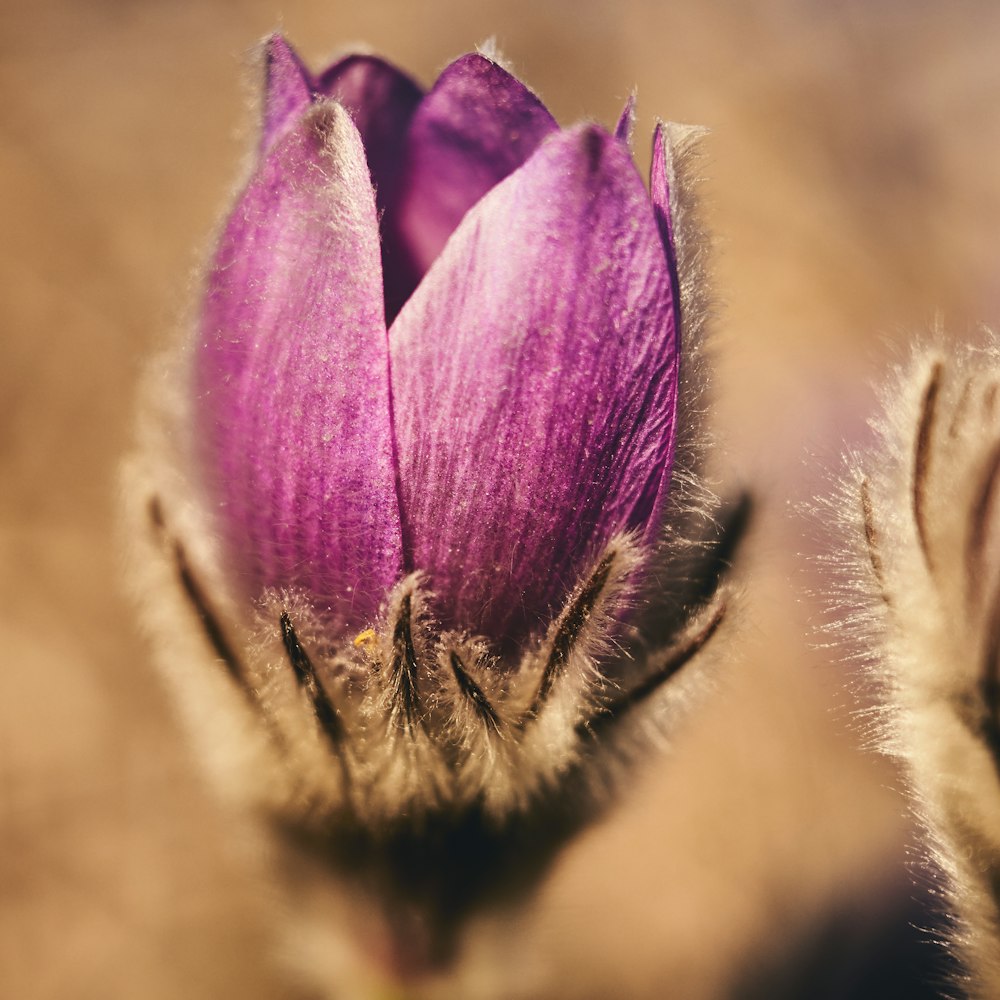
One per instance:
(287,88)
(476,125)
(535,377)
(661,178)
(291,375)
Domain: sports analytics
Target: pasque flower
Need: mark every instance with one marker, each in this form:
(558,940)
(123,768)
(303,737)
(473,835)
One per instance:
(426,478)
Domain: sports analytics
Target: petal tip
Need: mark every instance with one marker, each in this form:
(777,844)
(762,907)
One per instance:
(287,86)
(366,64)
(626,120)
(479,59)
(275,45)
(328,126)
(485,68)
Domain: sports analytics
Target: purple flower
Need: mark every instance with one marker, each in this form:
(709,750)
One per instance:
(440,334)
(424,517)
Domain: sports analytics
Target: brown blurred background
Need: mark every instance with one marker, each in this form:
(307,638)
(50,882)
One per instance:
(852,186)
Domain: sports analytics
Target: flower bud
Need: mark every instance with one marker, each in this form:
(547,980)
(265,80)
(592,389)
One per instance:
(424,481)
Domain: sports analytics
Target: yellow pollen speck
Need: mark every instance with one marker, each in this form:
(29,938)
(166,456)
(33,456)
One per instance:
(365,638)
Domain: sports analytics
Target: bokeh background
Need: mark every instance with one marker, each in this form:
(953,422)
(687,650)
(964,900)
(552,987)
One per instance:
(852,187)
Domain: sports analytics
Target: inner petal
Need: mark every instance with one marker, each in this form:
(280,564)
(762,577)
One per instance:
(476,126)
(382,101)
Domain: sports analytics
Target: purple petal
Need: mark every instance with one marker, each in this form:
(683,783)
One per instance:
(382,100)
(287,88)
(535,378)
(626,121)
(476,125)
(291,376)
(661,176)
